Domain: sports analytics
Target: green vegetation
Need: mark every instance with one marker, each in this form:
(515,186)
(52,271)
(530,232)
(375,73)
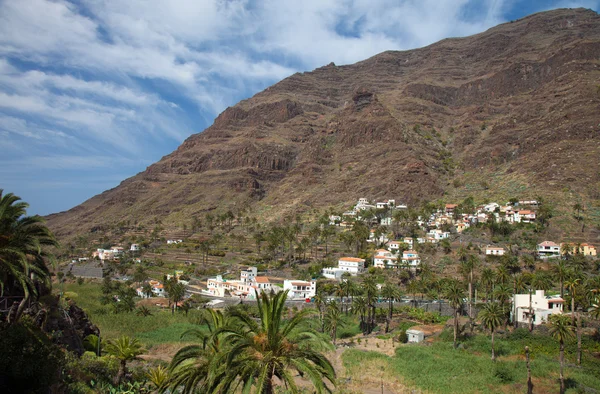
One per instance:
(159,327)
(440,368)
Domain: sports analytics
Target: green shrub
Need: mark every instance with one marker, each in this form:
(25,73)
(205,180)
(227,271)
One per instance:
(402,337)
(504,372)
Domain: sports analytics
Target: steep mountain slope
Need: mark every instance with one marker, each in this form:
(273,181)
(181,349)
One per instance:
(516,105)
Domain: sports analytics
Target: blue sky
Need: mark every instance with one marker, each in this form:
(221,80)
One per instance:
(92,92)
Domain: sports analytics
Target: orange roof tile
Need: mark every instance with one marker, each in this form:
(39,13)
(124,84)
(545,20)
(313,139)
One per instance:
(352,259)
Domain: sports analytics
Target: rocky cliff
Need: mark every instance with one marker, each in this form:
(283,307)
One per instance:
(515,107)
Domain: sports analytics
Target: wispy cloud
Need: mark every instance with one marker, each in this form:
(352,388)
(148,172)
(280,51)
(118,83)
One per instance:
(100,86)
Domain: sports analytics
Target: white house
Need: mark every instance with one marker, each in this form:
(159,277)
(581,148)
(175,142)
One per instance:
(158,289)
(394,246)
(300,289)
(494,251)
(408,241)
(438,234)
(104,254)
(262,283)
(386,221)
(526,216)
(415,336)
(335,220)
(134,247)
(542,306)
(333,273)
(248,274)
(385,204)
(384,259)
(548,249)
(491,207)
(174,241)
(353,265)
(411,258)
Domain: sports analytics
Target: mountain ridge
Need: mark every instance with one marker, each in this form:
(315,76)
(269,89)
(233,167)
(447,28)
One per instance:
(518,102)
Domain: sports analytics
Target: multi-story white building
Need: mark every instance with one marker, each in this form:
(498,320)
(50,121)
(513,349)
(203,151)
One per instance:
(353,265)
(438,234)
(248,274)
(411,258)
(548,249)
(394,246)
(333,273)
(384,259)
(542,307)
(300,289)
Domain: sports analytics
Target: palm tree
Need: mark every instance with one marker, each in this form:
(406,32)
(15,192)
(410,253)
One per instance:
(22,254)
(176,294)
(370,290)
(319,301)
(468,266)
(124,349)
(390,293)
(561,330)
(333,319)
(261,350)
(455,294)
(503,294)
(359,307)
(487,281)
(194,367)
(561,272)
(572,286)
(492,315)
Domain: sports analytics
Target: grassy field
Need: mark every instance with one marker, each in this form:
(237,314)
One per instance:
(440,368)
(160,327)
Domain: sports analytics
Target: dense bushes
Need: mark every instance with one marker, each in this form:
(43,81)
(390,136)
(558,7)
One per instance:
(30,362)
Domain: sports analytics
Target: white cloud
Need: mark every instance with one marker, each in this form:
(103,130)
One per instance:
(129,80)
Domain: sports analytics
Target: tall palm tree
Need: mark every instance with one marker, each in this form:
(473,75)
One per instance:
(455,294)
(176,292)
(22,254)
(195,367)
(319,301)
(333,319)
(262,350)
(124,349)
(572,286)
(390,293)
(487,280)
(562,330)
(503,294)
(370,290)
(359,307)
(561,272)
(492,315)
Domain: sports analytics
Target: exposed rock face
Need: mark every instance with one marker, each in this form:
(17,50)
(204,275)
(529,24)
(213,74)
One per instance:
(521,98)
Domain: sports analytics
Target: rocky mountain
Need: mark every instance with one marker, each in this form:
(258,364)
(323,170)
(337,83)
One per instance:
(511,112)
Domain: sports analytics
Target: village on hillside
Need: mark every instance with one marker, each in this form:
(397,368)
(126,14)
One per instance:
(381,235)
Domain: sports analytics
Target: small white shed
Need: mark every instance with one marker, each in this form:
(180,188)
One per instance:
(415,336)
